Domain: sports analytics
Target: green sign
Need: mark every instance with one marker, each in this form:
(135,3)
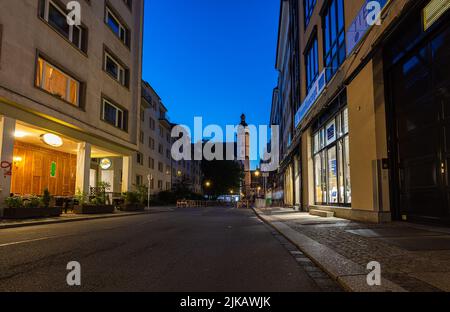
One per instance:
(53,169)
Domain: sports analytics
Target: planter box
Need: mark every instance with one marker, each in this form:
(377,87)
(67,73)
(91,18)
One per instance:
(94,209)
(30,213)
(133,207)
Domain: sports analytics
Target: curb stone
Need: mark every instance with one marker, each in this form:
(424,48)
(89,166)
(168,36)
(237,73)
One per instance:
(348,274)
(71,220)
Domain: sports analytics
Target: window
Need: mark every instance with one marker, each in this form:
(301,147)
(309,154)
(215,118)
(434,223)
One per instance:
(151,163)
(114,115)
(168,170)
(140,158)
(334,37)
(308,6)
(160,185)
(168,154)
(168,187)
(152,123)
(56,17)
(141,137)
(151,143)
(161,131)
(331,162)
(142,115)
(139,180)
(113,67)
(116,26)
(128,3)
(56,82)
(161,149)
(160,167)
(168,137)
(311,64)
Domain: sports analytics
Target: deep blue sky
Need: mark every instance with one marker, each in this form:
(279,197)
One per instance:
(212,58)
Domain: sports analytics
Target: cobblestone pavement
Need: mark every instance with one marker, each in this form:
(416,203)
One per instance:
(401,266)
(322,280)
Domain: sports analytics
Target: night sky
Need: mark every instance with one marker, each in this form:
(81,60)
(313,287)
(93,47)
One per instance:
(212,58)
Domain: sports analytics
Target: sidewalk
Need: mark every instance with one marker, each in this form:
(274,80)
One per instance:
(412,257)
(70,217)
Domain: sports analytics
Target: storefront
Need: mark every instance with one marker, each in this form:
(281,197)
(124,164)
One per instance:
(417,68)
(40,156)
(331,157)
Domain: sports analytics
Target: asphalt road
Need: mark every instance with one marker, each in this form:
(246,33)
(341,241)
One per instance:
(204,249)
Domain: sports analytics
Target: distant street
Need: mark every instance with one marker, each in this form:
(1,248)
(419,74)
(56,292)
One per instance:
(208,249)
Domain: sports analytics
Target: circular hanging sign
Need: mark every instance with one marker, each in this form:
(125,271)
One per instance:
(105,163)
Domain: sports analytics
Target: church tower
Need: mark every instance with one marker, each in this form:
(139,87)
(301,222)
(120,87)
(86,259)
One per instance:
(244,153)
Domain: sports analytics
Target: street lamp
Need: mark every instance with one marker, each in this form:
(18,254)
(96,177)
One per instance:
(257,173)
(150,179)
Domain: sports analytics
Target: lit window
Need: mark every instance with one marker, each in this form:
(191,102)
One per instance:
(332,162)
(56,82)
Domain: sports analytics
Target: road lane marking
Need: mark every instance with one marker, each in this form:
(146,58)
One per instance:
(26,241)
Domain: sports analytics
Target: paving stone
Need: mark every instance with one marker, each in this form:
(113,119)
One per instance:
(317,274)
(413,258)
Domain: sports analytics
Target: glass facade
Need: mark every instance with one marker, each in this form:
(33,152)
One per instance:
(334,37)
(331,162)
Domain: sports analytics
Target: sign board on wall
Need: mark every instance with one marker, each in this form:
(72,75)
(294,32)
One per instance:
(363,21)
(314,93)
(53,169)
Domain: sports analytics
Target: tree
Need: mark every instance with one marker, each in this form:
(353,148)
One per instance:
(223,176)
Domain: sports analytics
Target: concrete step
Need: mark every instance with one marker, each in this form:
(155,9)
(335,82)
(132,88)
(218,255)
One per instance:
(321,213)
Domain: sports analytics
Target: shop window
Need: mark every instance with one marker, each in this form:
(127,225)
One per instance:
(57,82)
(114,115)
(56,17)
(331,162)
(334,37)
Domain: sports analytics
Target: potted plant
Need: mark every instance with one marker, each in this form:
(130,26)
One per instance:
(97,204)
(31,207)
(132,202)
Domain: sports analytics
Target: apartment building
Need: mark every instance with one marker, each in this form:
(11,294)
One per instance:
(69,95)
(188,173)
(370,129)
(154,158)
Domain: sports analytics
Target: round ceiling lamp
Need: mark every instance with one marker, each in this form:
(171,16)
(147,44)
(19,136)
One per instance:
(52,140)
(105,163)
